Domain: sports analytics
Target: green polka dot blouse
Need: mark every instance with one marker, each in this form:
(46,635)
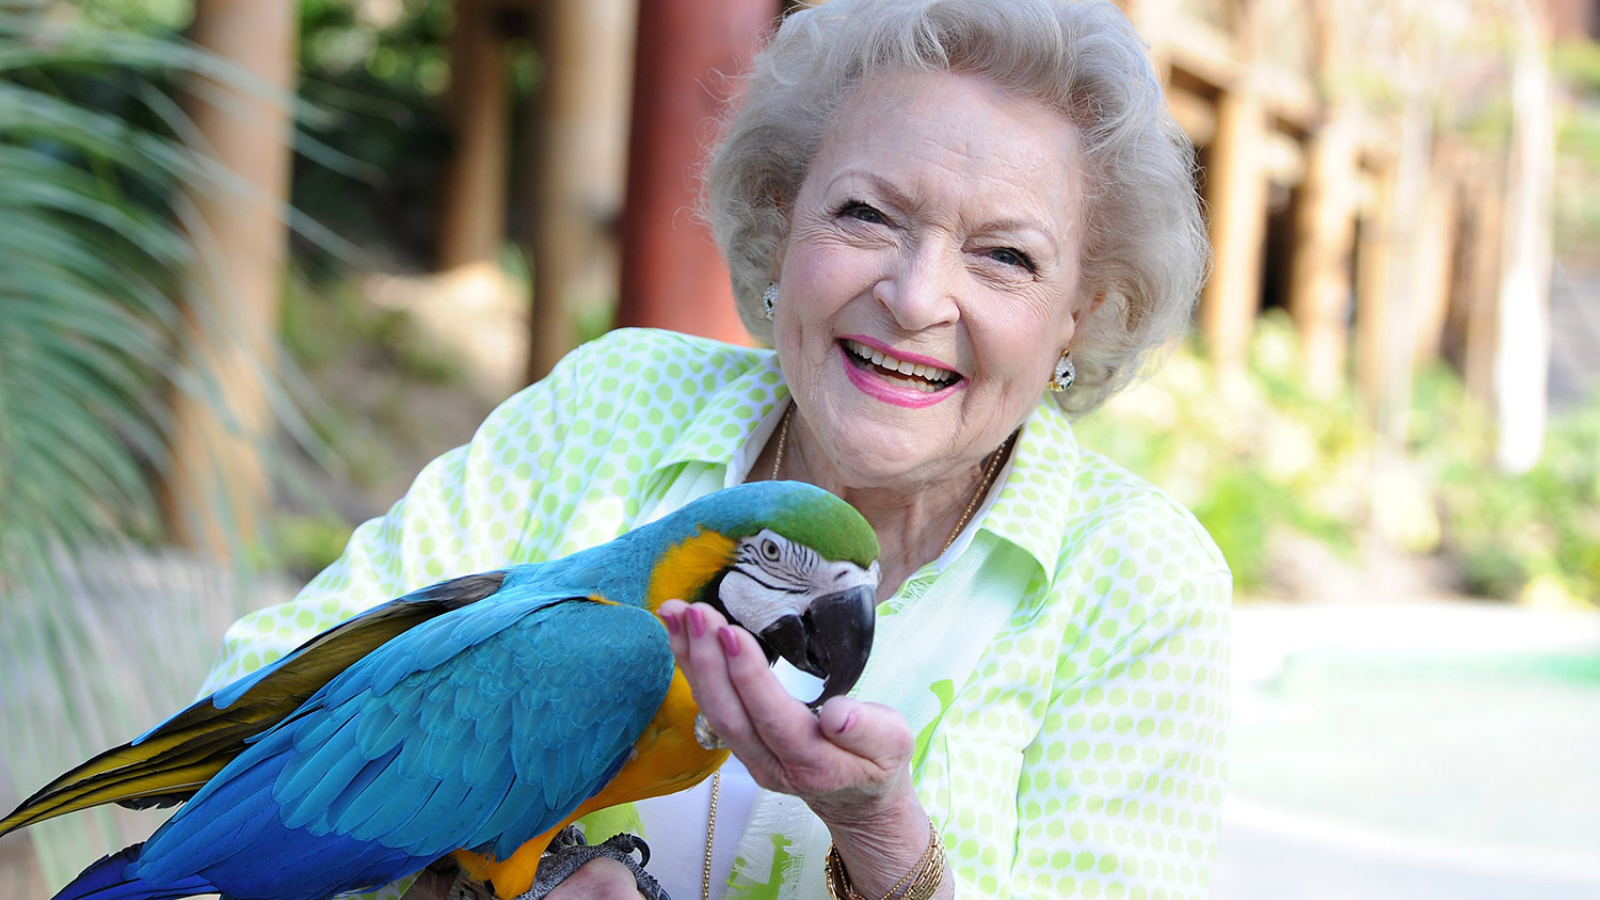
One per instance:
(1074,750)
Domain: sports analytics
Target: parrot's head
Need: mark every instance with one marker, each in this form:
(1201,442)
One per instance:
(793,564)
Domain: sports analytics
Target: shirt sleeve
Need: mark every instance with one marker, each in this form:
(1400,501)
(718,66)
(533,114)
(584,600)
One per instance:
(472,509)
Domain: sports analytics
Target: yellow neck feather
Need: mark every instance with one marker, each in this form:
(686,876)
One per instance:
(686,567)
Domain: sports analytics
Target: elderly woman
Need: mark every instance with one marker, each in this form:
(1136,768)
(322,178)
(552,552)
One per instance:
(957,223)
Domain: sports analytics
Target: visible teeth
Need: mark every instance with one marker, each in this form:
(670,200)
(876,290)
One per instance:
(879,358)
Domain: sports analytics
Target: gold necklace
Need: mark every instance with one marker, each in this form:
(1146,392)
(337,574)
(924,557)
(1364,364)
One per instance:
(711,830)
(982,491)
(783,441)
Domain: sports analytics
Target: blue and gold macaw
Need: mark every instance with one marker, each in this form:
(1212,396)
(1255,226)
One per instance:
(477,717)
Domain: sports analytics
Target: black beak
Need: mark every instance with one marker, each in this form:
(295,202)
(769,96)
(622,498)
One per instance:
(831,641)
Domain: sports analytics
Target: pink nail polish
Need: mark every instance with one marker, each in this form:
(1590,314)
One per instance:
(672,623)
(697,622)
(730,641)
(849,722)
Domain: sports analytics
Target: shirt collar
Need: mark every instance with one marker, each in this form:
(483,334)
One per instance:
(732,427)
(1030,510)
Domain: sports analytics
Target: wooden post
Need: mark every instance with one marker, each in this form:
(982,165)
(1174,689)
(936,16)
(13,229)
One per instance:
(672,275)
(1238,199)
(1480,277)
(1320,286)
(579,138)
(1405,206)
(473,213)
(218,488)
(1372,282)
(1435,261)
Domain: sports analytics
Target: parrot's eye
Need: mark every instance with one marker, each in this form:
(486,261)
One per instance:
(769,550)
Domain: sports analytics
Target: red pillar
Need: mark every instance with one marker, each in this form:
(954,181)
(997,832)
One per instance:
(672,276)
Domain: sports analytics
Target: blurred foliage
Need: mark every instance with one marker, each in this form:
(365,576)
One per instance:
(377,72)
(307,543)
(381,359)
(392,396)
(324,324)
(93,279)
(1270,455)
(1576,202)
(1577,64)
(373,137)
(154,18)
(1511,534)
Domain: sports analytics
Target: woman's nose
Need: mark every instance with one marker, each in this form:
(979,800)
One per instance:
(922,291)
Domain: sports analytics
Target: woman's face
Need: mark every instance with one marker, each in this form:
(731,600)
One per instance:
(938,227)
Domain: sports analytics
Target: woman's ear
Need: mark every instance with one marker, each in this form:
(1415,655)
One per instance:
(1080,312)
(1084,309)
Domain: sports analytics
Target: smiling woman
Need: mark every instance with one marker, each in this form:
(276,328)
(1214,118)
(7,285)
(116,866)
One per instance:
(956,223)
(939,225)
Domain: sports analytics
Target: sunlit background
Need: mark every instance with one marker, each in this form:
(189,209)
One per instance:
(262,259)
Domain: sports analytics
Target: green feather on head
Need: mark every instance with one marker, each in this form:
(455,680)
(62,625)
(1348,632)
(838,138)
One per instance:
(804,513)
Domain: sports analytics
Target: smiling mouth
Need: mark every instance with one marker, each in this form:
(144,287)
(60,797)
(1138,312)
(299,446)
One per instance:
(928,379)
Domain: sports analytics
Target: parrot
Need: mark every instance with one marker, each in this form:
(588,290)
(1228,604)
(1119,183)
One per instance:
(478,717)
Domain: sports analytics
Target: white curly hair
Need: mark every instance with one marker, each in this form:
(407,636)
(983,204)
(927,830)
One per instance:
(1145,250)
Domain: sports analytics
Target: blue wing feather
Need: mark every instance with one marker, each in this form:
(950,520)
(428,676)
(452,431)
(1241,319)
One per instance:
(352,791)
(480,728)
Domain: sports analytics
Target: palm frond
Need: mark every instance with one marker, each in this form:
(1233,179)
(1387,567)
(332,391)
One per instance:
(103,270)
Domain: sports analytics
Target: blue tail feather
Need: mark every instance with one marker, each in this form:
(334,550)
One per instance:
(108,879)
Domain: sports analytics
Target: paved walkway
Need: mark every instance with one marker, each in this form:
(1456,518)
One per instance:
(1413,751)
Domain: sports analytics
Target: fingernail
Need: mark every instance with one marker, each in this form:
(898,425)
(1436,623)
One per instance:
(697,622)
(672,622)
(730,641)
(849,722)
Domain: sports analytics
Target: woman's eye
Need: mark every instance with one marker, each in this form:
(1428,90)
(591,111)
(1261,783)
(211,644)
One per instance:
(1009,257)
(863,212)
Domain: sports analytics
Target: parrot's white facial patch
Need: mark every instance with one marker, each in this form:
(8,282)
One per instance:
(776,577)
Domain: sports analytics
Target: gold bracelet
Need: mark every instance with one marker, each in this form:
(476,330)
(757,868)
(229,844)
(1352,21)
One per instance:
(927,883)
(924,878)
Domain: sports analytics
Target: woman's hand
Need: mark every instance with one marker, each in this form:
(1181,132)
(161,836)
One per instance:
(849,762)
(598,879)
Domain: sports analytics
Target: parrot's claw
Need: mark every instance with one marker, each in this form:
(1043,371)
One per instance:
(568,852)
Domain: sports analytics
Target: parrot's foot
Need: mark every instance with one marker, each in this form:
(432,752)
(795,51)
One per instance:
(568,853)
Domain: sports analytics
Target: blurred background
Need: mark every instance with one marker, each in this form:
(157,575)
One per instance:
(262,259)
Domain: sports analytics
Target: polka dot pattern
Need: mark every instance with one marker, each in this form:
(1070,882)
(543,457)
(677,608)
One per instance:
(1094,727)
(1084,757)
